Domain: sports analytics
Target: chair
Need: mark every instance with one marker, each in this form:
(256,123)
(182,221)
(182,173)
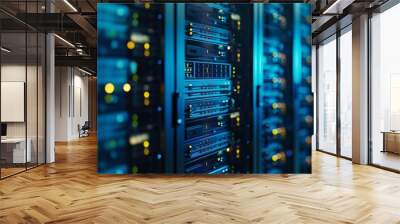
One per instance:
(84,129)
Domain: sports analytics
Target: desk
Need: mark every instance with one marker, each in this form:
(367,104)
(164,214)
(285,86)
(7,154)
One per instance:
(391,141)
(15,148)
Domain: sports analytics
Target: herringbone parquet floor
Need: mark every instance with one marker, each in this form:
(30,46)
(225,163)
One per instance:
(70,191)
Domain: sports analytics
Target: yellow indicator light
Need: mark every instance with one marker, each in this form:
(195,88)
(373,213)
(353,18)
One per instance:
(130,45)
(275,131)
(127,87)
(146,5)
(237,119)
(309,119)
(281,106)
(237,151)
(146,144)
(135,169)
(308,140)
(109,88)
(146,94)
(108,98)
(146,46)
(275,158)
(146,151)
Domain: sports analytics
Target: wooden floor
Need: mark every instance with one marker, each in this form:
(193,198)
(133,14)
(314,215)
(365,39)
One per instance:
(386,159)
(70,191)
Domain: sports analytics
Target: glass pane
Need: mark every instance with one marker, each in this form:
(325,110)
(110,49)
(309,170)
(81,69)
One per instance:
(32,98)
(386,89)
(41,99)
(13,87)
(32,86)
(346,94)
(327,96)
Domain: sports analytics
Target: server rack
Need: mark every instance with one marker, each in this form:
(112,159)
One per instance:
(302,81)
(283,102)
(213,67)
(135,134)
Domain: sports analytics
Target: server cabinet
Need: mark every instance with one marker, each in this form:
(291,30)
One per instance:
(302,82)
(134,96)
(283,102)
(213,73)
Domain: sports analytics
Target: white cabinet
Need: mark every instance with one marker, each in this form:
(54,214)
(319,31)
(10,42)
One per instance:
(19,155)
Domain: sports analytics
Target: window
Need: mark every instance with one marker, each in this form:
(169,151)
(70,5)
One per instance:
(385,89)
(346,93)
(327,96)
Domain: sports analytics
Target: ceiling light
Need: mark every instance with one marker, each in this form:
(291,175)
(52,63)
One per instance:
(338,6)
(5,50)
(65,41)
(70,5)
(326,11)
(84,71)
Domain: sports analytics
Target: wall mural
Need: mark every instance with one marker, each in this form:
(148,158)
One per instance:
(208,88)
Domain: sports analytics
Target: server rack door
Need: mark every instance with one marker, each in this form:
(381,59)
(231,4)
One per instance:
(211,137)
(132,95)
(303,97)
(257,84)
(283,88)
(275,146)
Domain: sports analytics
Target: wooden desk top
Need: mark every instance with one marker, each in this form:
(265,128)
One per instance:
(391,132)
(14,140)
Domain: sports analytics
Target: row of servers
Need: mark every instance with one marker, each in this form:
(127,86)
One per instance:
(204,88)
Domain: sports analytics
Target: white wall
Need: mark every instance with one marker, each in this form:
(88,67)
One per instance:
(12,73)
(9,73)
(33,127)
(62,81)
(71,94)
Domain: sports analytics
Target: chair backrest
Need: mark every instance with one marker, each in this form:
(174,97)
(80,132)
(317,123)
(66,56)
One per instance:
(86,124)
